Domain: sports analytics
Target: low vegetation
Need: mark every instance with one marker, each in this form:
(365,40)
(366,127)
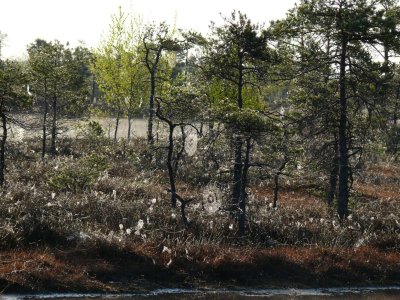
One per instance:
(99,211)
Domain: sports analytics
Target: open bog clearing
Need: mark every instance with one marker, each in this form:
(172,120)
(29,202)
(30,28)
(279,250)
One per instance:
(74,127)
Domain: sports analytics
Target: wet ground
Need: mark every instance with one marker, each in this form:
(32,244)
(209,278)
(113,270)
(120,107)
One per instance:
(378,293)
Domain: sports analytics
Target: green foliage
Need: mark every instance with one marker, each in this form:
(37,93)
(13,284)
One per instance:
(246,121)
(91,130)
(13,80)
(182,102)
(74,177)
(58,72)
(237,58)
(13,98)
(70,179)
(118,66)
(95,129)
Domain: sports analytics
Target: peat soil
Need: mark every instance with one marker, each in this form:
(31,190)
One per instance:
(142,268)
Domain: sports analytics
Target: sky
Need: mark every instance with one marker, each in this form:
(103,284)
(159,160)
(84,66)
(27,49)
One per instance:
(88,20)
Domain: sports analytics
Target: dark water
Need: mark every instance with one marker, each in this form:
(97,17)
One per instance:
(388,293)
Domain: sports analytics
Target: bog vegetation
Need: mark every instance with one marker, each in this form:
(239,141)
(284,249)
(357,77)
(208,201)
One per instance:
(256,136)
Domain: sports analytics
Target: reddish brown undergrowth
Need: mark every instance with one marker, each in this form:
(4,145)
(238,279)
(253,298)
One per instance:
(140,267)
(25,270)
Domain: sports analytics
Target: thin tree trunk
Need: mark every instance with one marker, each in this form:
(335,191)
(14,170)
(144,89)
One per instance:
(170,167)
(333,176)
(238,176)
(334,170)
(237,172)
(243,193)
(116,127)
(276,189)
(343,149)
(157,132)
(286,159)
(129,125)
(240,83)
(3,148)
(46,107)
(93,88)
(152,68)
(276,181)
(396,106)
(171,172)
(109,125)
(211,131)
(238,143)
(150,137)
(184,203)
(53,148)
(180,153)
(386,58)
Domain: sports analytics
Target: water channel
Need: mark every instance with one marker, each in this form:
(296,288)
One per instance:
(376,293)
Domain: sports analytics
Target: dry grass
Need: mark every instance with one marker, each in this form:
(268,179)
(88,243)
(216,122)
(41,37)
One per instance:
(381,182)
(41,270)
(387,192)
(288,197)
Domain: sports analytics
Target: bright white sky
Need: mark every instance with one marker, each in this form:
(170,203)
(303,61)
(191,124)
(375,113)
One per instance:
(88,20)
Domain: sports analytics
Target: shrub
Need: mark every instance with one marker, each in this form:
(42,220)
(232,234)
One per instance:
(78,176)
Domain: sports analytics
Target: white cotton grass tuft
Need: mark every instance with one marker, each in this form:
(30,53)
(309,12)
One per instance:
(166,250)
(140,224)
(139,227)
(169,263)
(114,193)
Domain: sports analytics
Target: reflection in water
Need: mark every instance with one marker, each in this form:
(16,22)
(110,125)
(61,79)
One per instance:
(390,293)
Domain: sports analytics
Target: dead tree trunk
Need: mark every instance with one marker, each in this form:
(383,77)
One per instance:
(170,167)
(44,125)
(183,203)
(170,148)
(243,193)
(3,148)
(180,153)
(53,149)
(152,67)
